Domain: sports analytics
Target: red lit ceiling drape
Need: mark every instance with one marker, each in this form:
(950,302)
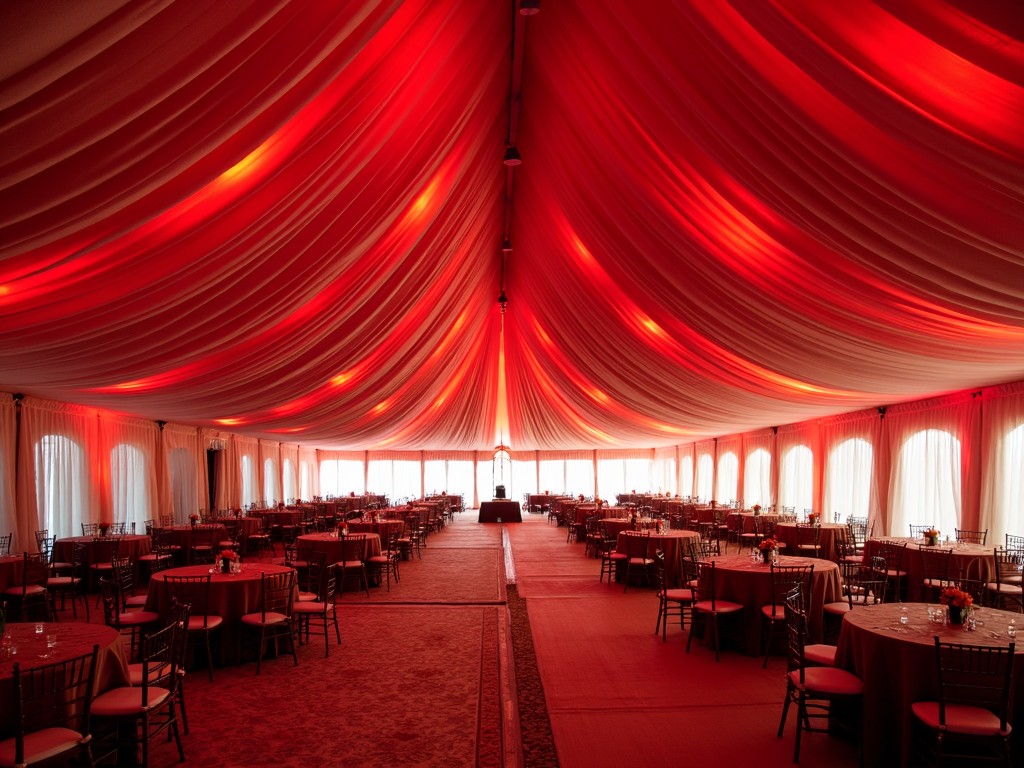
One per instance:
(284,218)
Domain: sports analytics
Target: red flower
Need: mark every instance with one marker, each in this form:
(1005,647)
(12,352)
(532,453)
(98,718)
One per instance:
(767,544)
(228,554)
(956,597)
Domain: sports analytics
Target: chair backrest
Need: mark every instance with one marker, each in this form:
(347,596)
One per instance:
(193,591)
(353,547)
(935,563)
(90,529)
(5,544)
(971,537)
(54,695)
(917,531)
(892,552)
(110,597)
(1014,542)
(786,578)
(43,534)
(807,535)
(703,585)
(105,549)
(864,583)
(637,543)
(659,572)
(796,630)
(121,567)
(35,570)
(160,659)
(1009,565)
(975,675)
(277,593)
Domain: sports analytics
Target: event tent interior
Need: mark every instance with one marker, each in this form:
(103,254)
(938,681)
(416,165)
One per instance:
(406,227)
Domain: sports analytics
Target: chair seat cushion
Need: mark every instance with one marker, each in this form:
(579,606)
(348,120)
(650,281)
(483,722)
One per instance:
(41,745)
(30,590)
(721,606)
(349,563)
(313,607)
(679,595)
(257,619)
(640,561)
(960,718)
(308,597)
(382,559)
(195,623)
(61,582)
(616,556)
(153,556)
(819,653)
(127,701)
(136,618)
(828,680)
(135,601)
(135,673)
(773,612)
(836,608)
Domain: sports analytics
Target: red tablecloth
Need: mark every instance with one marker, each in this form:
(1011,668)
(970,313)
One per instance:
(279,516)
(331,544)
(739,579)
(383,529)
(132,546)
(73,639)
(671,544)
(828,534)
(181,535)
(231,597)
(897,665)
(971,561)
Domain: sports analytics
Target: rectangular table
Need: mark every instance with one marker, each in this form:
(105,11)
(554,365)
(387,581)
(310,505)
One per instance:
(507,511)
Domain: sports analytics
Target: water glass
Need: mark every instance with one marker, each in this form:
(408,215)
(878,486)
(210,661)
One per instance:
(931,614)
(904,618)
(1011,628)
(39,628)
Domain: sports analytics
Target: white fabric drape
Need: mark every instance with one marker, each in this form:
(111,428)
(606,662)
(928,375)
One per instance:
(849,450)
(1002,487)
(185,471)
(249,469)
(796,445)
(59,449)
(270,472)
(131,455)
(757,469)
(728,469)
(927,442)
(8,517)
(704,486)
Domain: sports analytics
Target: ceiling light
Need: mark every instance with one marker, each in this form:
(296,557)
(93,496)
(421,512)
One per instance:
(512,157)
(529,7)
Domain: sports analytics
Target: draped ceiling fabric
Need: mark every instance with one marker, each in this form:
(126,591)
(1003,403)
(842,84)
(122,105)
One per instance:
(283,219)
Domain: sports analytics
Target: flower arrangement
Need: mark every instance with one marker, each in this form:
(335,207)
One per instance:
(104,528)
(228,554)
(343,528)
(193,518)
(581,497)
(813,517)
(757,509)
(767,545)
(931,533)
(956,598)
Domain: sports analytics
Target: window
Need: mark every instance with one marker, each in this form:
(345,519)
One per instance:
(129,485)
(552,475)
(289,480)
(664,476)
(686,487)
(184,486)
(927,483)
(796,478)
(305,480)
(339,477)
(270,489)
(248,481)
(848,479)
(727,477)
(579,476)
(60,484)
(757,478)
(705,475)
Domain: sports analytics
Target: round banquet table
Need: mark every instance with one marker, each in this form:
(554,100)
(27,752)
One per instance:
(897,665)
(970,561)
(331,544)
(671,543)
(383,529)
(828,534)
(613,526)
(740,579)
(232,595)
(132,546)
(279,516)
(73,639)
(181,535)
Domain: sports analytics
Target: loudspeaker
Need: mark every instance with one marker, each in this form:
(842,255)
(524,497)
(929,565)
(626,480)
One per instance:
(499,492)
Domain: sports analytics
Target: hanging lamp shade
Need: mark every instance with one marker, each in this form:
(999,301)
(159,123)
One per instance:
(512,157)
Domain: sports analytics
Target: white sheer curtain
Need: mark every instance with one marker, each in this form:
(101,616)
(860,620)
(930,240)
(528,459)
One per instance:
(665,473)
(248,469)
(132,451)
(289,472)
(798,481)
(1002,487)
(270,463)
(687,470)
(309,474)
(849,451)
(8,517)
(927,446)
(757,469)
(728,474)
(184,451)
(58,444)
(704,486)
